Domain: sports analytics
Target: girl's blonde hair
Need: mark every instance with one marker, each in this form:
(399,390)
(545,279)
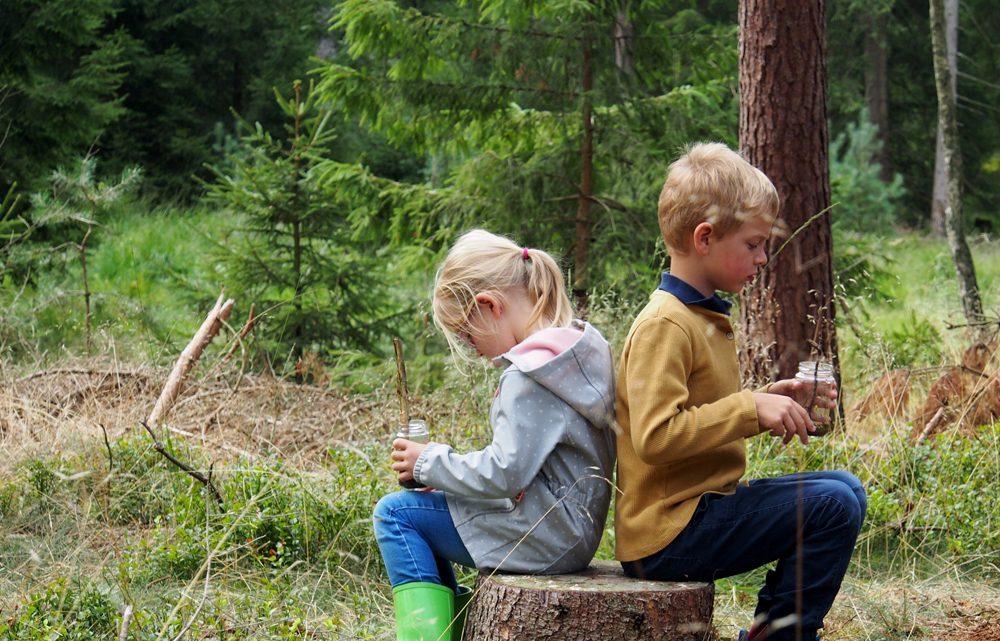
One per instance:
(481,262)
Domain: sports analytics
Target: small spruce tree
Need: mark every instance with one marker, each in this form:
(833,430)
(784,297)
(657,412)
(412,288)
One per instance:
(77,198)
(294,252)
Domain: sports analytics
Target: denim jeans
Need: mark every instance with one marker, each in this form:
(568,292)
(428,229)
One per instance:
(418,539)
(735,533)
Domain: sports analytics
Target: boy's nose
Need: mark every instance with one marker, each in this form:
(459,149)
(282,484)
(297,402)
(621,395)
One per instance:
(760,258)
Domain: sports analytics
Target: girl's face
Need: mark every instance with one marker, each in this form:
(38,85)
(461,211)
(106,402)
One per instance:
(494,326)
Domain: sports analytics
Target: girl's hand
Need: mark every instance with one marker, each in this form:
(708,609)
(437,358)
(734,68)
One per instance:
(405,453)
(801,392)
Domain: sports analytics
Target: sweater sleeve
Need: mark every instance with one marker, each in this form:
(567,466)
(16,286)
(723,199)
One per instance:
(528,422)
(663,428)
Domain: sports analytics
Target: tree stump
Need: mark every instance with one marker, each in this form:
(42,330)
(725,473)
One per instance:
(598,604)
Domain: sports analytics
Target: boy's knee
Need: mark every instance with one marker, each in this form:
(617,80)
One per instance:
(851,496)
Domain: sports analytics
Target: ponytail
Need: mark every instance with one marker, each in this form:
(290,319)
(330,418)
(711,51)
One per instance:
(485,262)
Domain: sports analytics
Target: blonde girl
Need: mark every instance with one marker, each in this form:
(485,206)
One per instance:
(535,499)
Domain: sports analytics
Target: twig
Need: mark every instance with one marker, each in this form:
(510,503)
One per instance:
(204,335)
(205,480)
(126,621)
(401,391)
(111,459)
(939,417)
(790,239)
(247,328)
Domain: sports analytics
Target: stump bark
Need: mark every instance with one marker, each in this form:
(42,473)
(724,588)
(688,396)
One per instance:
(599,604)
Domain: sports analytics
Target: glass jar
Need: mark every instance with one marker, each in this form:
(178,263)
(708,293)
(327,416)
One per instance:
(417,432)
(822,374)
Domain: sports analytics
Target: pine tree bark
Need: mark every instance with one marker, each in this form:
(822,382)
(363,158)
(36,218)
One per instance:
(939,201)
(788,316)
(599,604)
(877,87)
(968,288)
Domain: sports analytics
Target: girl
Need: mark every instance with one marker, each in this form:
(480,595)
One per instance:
(535,500)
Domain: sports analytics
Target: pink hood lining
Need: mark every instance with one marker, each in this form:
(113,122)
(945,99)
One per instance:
(544,345)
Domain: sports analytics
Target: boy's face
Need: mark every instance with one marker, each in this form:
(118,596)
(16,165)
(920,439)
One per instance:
(735,259)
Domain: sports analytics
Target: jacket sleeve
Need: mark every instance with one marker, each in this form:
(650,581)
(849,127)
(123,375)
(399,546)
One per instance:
(663,430)
(529,421)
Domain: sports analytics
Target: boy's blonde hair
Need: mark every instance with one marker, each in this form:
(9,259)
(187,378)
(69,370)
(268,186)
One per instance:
(481,262)
(712,183)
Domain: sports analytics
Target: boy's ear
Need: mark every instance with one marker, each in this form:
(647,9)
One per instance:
(703,236)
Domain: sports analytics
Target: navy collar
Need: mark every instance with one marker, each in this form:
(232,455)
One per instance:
(690,296)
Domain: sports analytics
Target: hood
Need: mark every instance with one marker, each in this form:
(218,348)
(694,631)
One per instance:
(575,364)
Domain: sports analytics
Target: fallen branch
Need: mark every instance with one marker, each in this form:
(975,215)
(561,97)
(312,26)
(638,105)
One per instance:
(126,620)
(941,416)
(193,473)
(208,330)
(247,328)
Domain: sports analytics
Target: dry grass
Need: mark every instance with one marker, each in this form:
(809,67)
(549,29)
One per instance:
(226,413)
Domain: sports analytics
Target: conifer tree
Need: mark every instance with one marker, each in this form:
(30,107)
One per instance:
(295,254)
(562,116)
(59,76)
(78,198)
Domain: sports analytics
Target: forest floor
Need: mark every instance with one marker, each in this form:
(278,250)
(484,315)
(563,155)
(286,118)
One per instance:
(243,421)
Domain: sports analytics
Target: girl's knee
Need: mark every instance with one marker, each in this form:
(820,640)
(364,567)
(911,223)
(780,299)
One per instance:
(384,509)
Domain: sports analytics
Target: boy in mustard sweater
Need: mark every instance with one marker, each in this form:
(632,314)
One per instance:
(683,513)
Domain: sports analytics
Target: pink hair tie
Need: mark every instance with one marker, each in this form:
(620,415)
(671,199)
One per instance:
(525,253)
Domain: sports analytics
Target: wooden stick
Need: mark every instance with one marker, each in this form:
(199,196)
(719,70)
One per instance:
(401,391)
(126,620)
(208,330)
(251,321)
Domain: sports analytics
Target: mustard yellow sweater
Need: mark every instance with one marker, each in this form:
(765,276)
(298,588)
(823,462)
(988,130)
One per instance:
(683,415)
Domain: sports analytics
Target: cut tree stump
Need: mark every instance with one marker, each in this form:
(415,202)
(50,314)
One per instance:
(598,604)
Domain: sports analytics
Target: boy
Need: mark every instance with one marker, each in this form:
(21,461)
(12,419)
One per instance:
(682,513)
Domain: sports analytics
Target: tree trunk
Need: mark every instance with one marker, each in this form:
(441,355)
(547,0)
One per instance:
(877,87)
(623,45)
(580,276)
(789,315)
(968,289)
(940,199)
(599,604)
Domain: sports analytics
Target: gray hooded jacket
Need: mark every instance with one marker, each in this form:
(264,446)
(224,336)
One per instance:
(535,500)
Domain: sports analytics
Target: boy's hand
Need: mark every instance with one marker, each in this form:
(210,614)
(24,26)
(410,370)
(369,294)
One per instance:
(801,392)
(783,417)
(405,453)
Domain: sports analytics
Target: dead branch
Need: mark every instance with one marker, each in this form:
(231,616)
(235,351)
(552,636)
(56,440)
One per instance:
(941,416)
(193,473)
(247,328)
(204,335)
(202,338)
(126,621)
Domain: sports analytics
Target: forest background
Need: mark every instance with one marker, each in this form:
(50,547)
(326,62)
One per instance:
(315,159)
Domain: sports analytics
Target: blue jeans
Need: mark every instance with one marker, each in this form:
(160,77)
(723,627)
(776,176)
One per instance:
(418,539)
(732,534)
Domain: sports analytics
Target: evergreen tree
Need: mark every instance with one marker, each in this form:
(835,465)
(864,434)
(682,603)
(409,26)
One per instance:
(912,102)
(59,78)
(558,118)
(194,60)
(295,254)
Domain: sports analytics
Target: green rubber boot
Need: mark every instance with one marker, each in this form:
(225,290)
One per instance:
(423,611)
(463,601)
